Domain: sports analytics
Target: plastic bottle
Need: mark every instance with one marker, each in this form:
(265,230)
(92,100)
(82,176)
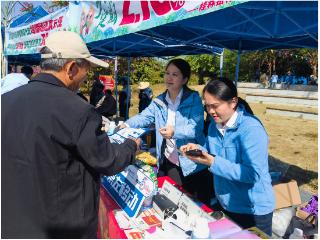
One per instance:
(297,234)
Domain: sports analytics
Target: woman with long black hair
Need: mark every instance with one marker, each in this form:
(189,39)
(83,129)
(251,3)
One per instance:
(236,152)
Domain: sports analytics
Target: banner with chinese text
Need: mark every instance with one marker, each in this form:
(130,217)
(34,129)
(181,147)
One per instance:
(98,20)
(31,38)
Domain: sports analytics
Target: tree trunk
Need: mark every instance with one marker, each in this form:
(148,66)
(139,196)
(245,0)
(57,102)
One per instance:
(201,80)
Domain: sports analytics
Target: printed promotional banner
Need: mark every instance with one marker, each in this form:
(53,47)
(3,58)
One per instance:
(98,20)
(31,38)
(107,19)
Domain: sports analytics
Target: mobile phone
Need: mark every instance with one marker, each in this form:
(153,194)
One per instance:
(194,153)
(217,215)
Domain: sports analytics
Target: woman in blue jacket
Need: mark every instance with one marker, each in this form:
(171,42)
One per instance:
(236,152)
(178,116)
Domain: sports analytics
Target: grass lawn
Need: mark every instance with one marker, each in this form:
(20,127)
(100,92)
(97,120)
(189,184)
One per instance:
(293,143)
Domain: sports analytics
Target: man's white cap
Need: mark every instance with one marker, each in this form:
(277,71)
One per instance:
(66,44)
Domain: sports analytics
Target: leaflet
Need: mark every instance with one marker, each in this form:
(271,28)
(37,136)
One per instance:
(124,133)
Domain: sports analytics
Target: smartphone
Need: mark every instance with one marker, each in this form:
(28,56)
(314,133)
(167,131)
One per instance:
(194,153)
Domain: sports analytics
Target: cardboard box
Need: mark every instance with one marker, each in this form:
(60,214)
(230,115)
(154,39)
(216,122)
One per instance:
(302,214)
(287,194)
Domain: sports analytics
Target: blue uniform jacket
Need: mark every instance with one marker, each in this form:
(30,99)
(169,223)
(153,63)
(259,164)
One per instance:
(188,128)
(241,173)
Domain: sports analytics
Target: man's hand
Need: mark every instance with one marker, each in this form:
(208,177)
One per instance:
(117,128)
(167,132)
(205,158)
(138,142)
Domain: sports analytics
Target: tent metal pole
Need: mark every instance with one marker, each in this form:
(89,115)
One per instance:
(115,78)
(238,65)
(128,88)
(4,58)
(221,63)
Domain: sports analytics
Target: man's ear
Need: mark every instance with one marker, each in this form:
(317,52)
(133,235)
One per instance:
(71,69)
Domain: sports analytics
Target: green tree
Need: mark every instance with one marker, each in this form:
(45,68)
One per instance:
(204,65)
(141,69)
(229,64)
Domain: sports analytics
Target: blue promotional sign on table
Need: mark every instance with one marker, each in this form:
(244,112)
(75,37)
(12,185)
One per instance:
(127,195)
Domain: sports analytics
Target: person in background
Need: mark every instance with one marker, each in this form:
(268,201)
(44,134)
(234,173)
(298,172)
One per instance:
(14,80)
(236,152)
(145,95)
(288,80)
(264,80)
(107,105)
(124,99)
(27,71)
(97,90)
(178,116)
(104,103)
(274,80)
(54,150)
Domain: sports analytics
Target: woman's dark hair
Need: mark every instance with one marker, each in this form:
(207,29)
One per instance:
(224,89)
(183,66)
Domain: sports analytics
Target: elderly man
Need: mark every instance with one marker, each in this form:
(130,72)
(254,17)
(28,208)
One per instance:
(53,149)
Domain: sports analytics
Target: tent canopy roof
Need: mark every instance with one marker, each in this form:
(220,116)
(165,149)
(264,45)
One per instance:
(253,25)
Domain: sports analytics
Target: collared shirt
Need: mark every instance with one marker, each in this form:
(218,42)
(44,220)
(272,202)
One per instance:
(229,124)
(12,81)
(170,151)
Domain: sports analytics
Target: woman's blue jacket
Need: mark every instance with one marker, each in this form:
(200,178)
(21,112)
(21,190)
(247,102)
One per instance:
(188,127)
(241,173)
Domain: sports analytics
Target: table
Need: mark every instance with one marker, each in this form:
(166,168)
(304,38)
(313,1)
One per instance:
(108,226)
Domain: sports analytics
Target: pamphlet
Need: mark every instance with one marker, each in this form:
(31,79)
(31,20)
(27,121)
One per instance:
(124,133)
(134,234)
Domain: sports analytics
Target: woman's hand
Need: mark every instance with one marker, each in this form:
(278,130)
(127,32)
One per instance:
(205,158)
(167,132)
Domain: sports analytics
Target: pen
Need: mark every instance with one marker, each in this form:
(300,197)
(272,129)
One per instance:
(186,232)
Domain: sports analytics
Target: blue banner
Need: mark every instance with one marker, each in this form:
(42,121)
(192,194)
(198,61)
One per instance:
(124,193)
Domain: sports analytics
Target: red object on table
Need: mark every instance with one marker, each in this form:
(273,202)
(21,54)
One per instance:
(108,226)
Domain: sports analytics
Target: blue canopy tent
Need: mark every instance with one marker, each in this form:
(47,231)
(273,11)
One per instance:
(253,25)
